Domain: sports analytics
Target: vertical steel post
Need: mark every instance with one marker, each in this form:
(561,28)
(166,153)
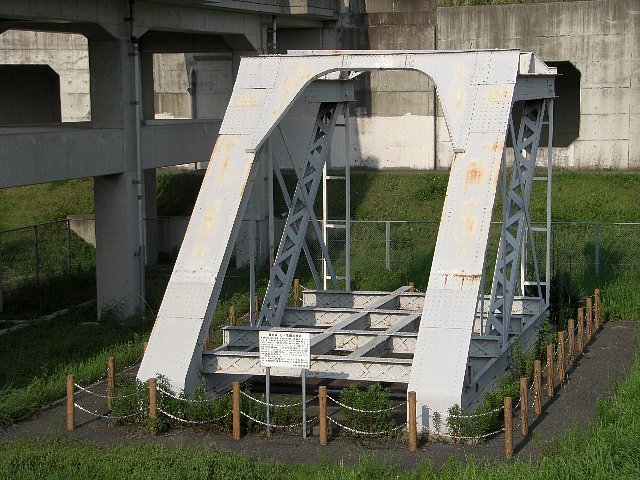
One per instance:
(68,245)
(304,403)
(347,216)
(37,255)
(387,244)
(547,272)
(596,253)
(325,215)
(268,398)
(272,254)
(252,271)
(1,284)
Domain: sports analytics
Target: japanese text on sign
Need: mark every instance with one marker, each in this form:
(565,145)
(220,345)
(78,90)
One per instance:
(285,349)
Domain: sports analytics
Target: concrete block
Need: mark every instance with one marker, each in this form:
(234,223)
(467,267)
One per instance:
(217,81)
(604,127)
(402,37)
(606,72)
(76,107)
(601,154)
(634,141)
(400,81)
(203,64)
(390,104)
(604,100)
(212,105)
(391,142)
(83,10)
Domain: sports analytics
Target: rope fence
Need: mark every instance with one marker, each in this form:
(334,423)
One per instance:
(560,356)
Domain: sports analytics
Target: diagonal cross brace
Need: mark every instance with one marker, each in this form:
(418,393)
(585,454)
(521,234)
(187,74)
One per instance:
(300,214)
(506,276)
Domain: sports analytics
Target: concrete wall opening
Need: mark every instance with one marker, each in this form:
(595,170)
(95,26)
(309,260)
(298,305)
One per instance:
(567,105)
(65,54)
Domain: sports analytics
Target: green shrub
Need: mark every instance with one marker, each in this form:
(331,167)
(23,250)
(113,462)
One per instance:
(374,399)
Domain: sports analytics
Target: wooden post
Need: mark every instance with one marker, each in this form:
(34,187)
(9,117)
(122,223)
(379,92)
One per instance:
(322,401)
(580,330)
(111,380)
(144,346)
(589,320)
(550,384)
(597,308)
(232,316)
(537,387)
(296,292)
(561,357)
(257,309)
(572,341)
(236,410)
(413,431)
(508,427)
(412,287)
(153,398)
(207,341)
(524,407)
(71,408)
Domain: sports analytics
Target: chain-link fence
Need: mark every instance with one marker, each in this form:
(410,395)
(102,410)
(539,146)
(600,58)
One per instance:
(35,253)
(384,255)
(584,256)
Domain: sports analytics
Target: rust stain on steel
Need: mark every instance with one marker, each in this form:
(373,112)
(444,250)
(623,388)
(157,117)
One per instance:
(462,277)
(497,95)
(469,223)
(475,172)
(242,101)
(200,250)
(226,151)
(210,216)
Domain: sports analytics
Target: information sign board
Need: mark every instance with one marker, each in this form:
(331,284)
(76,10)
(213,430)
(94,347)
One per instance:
(285,349)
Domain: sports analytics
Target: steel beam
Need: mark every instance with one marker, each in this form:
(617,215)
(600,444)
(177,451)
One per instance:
(300,212)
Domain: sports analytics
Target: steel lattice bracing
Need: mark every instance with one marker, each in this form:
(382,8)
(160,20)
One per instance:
(506,280)
(300,212)
(426,341)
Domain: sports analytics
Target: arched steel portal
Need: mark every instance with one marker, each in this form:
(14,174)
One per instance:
(476,90)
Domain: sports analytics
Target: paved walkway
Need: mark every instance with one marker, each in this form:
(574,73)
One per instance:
(607,359)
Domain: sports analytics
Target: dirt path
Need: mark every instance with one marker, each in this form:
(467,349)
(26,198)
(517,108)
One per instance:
(607,359)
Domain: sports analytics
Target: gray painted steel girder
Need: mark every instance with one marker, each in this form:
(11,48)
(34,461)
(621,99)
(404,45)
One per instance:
(475,89)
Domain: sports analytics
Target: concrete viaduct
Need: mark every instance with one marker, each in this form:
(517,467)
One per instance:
(593,44)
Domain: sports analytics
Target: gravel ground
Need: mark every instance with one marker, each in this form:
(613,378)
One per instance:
(592,378)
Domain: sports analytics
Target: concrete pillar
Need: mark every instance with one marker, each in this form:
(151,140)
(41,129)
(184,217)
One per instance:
(118,267)
(146,74)
(151,216)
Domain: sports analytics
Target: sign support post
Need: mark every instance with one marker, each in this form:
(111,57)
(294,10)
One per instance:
(304,403)
(282,349)
(268,397)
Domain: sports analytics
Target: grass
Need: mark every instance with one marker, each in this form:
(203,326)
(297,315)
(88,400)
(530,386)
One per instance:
(47,202)
(455,3)
(41,356)
(609,448)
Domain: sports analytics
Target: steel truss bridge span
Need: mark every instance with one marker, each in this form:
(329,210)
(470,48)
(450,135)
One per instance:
(449,344)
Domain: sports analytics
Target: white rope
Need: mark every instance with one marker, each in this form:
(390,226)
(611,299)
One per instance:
(459,437)
(169,394)
(89,391)
(192,422)
(277,405)
(109,417)
(273,425)
(365,411)
(353,430)
(477,415)
(116,396)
